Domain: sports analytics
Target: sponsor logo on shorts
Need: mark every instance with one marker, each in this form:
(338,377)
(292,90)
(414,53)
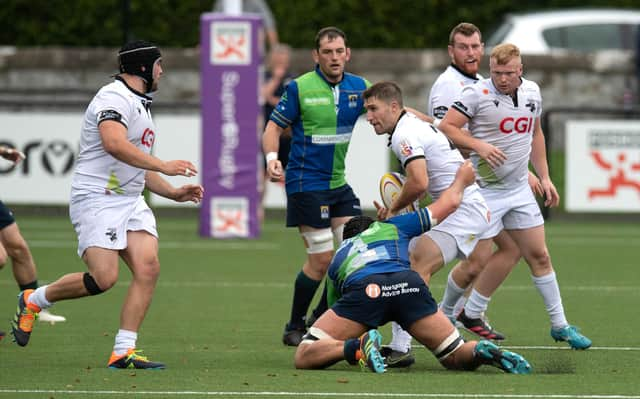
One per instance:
(398,289)
(324,212)
(372,290)
(111,233)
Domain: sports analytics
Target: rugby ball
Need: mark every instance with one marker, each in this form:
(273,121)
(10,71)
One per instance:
(390,186)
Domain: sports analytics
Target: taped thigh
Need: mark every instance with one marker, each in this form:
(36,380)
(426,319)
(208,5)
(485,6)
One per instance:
(318,241)
(448,346)
(314,334)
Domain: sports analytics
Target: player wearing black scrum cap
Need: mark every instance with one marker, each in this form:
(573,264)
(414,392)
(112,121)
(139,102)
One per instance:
(111,218)
(138,58)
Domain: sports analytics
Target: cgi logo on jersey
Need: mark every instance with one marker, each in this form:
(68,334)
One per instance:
(147,138)
(521,125)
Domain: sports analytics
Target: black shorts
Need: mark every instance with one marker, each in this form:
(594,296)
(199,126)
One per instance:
(375,300)
(6,216)
(316,208)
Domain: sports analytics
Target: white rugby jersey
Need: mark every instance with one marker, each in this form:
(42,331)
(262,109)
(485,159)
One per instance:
(507,124)
(447,89)
(414,138)
(98,172)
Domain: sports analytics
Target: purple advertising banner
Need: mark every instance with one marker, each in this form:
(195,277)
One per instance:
(230,58)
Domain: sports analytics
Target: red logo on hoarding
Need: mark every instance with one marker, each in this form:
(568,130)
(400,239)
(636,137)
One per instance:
(231,221)
(231,45)
(619,179)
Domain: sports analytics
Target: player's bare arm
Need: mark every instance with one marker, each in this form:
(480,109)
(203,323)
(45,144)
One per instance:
(270,144)
(416,184)
(420,115)
(539,162)
(114,140)
(451,198)
(158,185)
(452,124)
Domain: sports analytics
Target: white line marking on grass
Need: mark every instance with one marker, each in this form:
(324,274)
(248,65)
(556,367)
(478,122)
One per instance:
(205,245)
(307,394)
(563,348)
(593,348)
(261,284)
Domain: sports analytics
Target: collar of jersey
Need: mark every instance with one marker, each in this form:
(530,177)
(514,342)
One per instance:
(402,113)
(131,89)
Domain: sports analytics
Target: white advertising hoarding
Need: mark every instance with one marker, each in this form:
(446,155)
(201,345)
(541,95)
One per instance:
(603,166)
(51,140)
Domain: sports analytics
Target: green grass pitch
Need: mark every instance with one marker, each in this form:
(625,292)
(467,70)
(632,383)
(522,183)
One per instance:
(220,307)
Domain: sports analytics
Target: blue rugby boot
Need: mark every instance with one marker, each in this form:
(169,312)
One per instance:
(368,355)
(571,335)
(509,362)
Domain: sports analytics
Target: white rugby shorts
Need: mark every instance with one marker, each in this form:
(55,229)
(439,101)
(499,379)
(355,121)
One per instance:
(458,234)
(515,209)
(103,221)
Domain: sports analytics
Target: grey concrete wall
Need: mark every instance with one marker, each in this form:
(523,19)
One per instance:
(57,74)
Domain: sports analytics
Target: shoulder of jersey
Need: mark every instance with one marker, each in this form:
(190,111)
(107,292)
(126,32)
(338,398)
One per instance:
(390,185)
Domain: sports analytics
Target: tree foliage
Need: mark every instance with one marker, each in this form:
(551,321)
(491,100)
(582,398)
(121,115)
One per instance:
(175,23)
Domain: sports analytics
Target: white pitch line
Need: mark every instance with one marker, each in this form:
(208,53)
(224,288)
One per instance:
(279,285)
(561,348)
(205,245)
(320,394)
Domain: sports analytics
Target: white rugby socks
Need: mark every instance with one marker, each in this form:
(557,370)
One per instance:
(550,290)
(125,340)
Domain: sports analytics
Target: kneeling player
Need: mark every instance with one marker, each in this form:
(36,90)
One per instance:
(371,283)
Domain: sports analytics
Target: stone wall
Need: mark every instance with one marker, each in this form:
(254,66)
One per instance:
(50,75)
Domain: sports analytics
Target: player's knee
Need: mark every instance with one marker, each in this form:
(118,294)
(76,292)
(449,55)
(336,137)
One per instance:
(540,260)
(18,249)
(304,358)
(148,271)
(92,286)
(471,269)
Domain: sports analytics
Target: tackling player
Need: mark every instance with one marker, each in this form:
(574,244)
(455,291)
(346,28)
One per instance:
(371,283)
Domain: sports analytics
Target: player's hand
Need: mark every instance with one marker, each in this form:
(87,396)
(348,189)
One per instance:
(493,155)
(382,213)
(535,185)
(466,174)
(274,170)
(551,196)
(179,168)
(189,192)
(11,154)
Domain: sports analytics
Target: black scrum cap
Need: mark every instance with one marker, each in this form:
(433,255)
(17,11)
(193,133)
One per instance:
(137,58)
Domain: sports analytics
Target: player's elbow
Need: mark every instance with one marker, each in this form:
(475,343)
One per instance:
(111,146)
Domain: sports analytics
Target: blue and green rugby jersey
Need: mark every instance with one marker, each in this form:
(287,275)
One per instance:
(321,129)
(382,248)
